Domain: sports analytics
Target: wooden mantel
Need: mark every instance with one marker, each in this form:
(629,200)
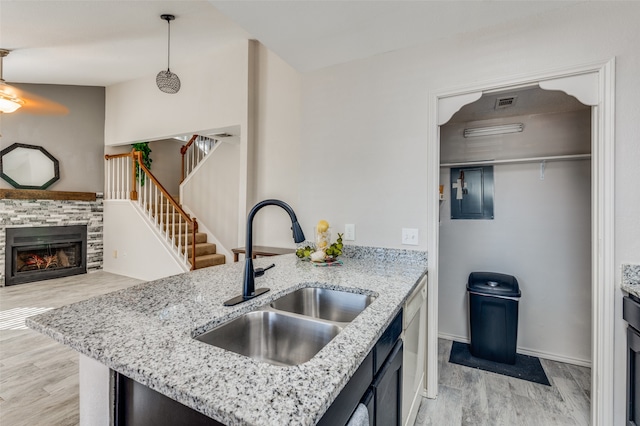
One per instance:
(36,194)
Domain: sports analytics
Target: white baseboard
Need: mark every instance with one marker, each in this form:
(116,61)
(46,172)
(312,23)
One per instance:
(527,351)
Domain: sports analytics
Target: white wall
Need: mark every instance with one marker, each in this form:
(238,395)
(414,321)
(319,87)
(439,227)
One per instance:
(166,165)
(213,95)
(364,124)
(276,167)
(140,252)
(75,139)
(211,193)
(541,234)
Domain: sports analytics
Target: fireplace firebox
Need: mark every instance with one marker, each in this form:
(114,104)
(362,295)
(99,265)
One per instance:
(41,253)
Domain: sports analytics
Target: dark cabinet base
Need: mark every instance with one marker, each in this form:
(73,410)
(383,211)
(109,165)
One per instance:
(633,377)
(388,390)
(631,314)
(138,405)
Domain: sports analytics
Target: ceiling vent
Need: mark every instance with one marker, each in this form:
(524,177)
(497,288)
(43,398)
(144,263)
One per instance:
(505,102)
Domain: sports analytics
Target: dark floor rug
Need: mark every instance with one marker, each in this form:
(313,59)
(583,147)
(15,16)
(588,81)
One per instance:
(526,367)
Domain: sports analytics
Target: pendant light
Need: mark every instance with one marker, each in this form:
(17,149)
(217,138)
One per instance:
(167,81)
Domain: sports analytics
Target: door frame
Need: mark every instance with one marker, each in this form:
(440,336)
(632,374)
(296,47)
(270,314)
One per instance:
(602,225)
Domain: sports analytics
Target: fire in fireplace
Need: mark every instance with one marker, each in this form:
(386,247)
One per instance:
(40,253)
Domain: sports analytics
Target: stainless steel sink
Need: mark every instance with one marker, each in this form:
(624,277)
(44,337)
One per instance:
(331,305)
(272,337)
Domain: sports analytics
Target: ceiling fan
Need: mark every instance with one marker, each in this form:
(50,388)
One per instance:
(12,98)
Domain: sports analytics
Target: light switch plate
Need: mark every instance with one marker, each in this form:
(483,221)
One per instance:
(410,236)
(349,232)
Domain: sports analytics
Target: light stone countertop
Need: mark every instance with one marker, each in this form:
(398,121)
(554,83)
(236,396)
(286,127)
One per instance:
(146,333)
(631,279)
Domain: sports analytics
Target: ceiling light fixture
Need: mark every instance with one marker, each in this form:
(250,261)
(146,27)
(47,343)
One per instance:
(8,101)
(493,130)
(167,81)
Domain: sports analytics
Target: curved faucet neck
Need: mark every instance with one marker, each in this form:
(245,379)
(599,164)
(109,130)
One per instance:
(248,285)
(252,213)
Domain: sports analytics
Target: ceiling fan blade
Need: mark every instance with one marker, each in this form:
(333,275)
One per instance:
(34,104)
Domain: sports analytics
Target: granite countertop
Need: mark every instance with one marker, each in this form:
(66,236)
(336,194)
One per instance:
(146,333)
(631,279)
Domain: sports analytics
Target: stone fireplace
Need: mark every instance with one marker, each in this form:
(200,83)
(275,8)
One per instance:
(40,253)
(30,213)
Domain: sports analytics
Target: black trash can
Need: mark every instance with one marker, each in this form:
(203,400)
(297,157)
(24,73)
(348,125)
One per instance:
(493,316)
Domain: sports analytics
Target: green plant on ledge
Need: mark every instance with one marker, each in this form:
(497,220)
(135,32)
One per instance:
(142,147)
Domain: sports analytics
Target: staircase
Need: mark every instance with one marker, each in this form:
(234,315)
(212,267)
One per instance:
(162,210)
(205,252)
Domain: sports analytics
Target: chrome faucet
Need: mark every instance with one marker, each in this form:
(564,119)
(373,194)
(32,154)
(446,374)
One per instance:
(248,284)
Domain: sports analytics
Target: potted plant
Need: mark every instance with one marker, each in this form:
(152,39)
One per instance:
(143,148)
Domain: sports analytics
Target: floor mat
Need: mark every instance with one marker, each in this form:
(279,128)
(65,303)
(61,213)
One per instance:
(526,367)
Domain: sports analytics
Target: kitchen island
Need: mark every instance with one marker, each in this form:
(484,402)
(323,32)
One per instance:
(147,334)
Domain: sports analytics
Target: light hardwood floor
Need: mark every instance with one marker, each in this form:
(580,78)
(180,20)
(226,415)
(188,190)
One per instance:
(467,396)
(39,377)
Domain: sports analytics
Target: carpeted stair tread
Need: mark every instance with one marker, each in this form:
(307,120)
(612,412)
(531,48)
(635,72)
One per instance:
(202,249)
(209,260)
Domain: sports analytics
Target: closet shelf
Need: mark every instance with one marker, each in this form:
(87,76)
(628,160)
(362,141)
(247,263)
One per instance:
(572,157)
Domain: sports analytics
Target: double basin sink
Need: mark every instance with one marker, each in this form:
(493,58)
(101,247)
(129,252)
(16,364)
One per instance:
(292,329)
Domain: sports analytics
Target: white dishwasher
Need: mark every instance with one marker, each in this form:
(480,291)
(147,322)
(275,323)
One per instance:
(415,342)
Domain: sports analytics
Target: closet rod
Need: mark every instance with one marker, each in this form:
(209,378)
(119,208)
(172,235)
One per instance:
(519,160)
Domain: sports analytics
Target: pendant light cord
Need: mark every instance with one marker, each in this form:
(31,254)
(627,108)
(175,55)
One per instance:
(169,45)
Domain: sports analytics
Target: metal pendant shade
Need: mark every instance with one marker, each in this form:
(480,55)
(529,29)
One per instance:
(167,81)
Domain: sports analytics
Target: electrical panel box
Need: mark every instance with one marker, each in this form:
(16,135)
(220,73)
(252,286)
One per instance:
(472,192)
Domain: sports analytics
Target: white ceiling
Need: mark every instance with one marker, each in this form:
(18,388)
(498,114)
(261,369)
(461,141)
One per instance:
(314,34)
(99,43)
(95,42)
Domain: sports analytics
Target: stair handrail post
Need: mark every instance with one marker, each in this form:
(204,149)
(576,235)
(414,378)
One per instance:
(183,152)
(135,156)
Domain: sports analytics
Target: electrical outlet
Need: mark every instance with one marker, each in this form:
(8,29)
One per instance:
(410,236)
(349,232)
(115,254)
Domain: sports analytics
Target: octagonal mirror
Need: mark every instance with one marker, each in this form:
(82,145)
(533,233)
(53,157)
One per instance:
(28,166)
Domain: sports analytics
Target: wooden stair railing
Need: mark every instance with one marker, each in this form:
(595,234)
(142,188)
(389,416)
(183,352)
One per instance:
(154,199)
(117,179)
(193,152)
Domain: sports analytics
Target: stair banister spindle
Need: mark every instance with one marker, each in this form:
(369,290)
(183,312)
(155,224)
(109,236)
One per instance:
(149,196)
(154,203)
(191,157)
(117,166)
(161,210)
(166,221)
(134,157)
(194,155)
(123,188)
(117,183)
(171,226)
(186,242)
(130,179)
(111,173)
(106,179)
(176,231)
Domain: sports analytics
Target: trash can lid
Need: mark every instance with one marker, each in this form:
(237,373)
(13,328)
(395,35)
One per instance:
(493,284)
